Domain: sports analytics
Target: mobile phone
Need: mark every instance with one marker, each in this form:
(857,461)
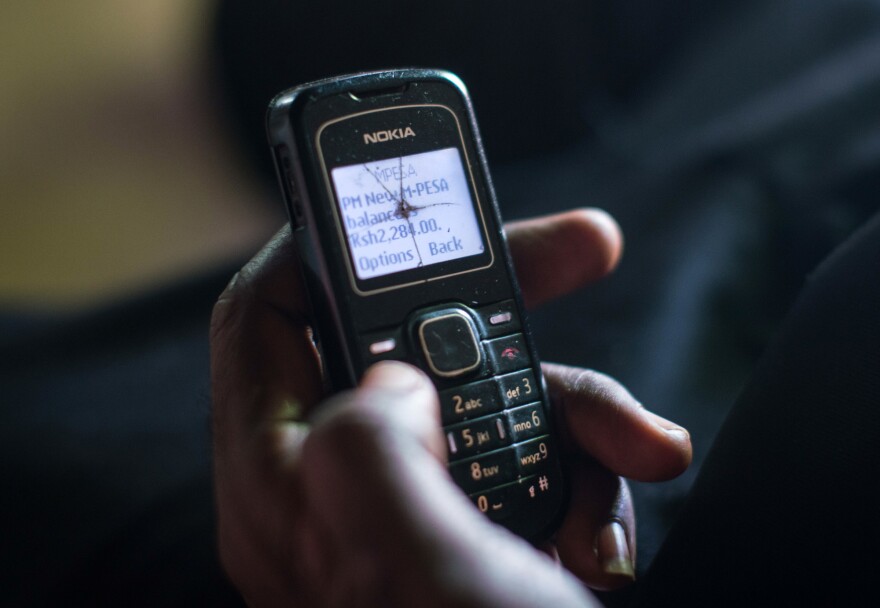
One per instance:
(393,210)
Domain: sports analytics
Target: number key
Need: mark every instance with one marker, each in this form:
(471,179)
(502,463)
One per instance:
(476,436)
(518,388)
(469,401)
(526,422)
(486,471)
(532,456)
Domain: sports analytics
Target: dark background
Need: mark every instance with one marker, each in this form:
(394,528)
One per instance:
(736,142)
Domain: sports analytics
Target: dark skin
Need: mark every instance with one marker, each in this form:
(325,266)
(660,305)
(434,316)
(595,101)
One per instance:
(350,504)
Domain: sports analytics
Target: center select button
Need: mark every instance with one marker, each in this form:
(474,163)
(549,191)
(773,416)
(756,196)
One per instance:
(449,341)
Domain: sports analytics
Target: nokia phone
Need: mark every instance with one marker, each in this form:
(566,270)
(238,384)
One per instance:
(393,211)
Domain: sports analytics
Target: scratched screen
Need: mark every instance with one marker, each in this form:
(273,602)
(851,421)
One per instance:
(406,212)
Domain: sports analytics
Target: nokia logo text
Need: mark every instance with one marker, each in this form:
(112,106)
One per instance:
(380,136)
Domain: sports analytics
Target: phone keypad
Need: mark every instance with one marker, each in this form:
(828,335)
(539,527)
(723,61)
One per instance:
(492,406)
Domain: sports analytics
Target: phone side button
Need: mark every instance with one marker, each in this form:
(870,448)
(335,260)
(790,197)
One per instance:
(297,215)
(288,187)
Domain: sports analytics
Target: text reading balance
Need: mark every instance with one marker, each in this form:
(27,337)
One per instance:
(407,212)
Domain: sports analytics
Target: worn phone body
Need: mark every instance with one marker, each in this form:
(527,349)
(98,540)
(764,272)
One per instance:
(392,207)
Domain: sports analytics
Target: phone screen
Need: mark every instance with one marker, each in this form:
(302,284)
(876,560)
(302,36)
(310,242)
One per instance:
(407,212)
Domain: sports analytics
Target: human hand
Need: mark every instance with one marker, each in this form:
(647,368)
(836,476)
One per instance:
(350,504)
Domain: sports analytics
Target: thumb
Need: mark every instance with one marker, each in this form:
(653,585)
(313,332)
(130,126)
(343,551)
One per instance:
(374,462)
(376,479)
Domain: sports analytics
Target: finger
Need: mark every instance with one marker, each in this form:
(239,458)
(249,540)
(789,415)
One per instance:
(596,540)
(263,370)
(370,444)
(557,254)
(603,419)
(374,473)
(264,376)
(263,361)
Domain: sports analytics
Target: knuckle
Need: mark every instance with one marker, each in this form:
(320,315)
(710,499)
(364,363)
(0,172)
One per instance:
(230,306)
(347,419)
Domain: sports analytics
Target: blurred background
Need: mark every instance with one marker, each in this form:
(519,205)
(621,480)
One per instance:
(737,142)
(125,162)
(116,171)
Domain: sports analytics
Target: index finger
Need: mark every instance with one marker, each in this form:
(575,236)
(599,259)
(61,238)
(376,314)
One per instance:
(557,254)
